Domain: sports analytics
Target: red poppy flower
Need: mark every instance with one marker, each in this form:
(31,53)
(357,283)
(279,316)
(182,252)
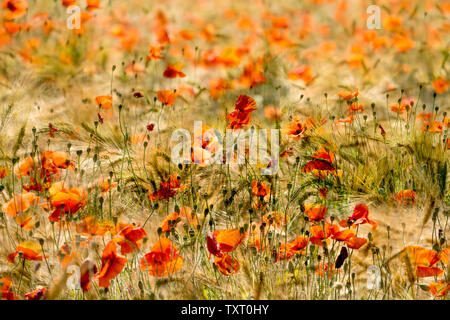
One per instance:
(38,294)
(360,216)
(112,265)
(129,237)
(174,70)
(30,250)
(163,260)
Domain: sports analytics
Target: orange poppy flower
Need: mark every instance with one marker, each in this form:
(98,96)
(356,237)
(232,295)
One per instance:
(223,241)
(67,201)
(360,216)
(349,119)
(275,219)
(217,87)
(253,74)
(174,70)
(3,172)
(91,227)
(403,42)
(155,53)
(163,260)
(315,211)
(348,95)
(186,34)
(5,286)
(104,102)
(38,294)
(20,203)
(260,189)
(355,107)
(26,220)
(319,233)
(30,250)
(68,3)
(241,114)
(226,264)
(112,265)
(93,5)
(324,154)
(423,260)
(53,160)
(26,166)
(11,27)
(355,242)
(392,23)
(304,73)
(440,85)
(128,237)
(440,289)
(444,255)
(168,188)
(14,8)
(167,97)
(294,128)
(432,127)
(184,214)
(296,246)
(406,196)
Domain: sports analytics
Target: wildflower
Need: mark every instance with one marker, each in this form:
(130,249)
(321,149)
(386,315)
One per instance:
(295,128)
(304,73)
(184,215)
(360,216)
(163,260)
(29,250)
(241,114)
(432,127)
(5,287)
(348,95)
(422,261)
(315,211)
(38,294)
(406,196)
(66,201)
(440,85)
(3,172)
(226,264)
(103,102)
(296,246)
(128,237)
(90,226)
(14,8)
(20,203)
(174,70)
(167,97)
(168,188)
(155,53)
(440,289)
(221,241)
(112,265)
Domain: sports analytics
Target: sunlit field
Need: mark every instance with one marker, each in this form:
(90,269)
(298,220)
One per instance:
(210,150)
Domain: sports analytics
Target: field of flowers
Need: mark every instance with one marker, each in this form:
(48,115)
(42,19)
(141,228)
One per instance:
(224,149)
